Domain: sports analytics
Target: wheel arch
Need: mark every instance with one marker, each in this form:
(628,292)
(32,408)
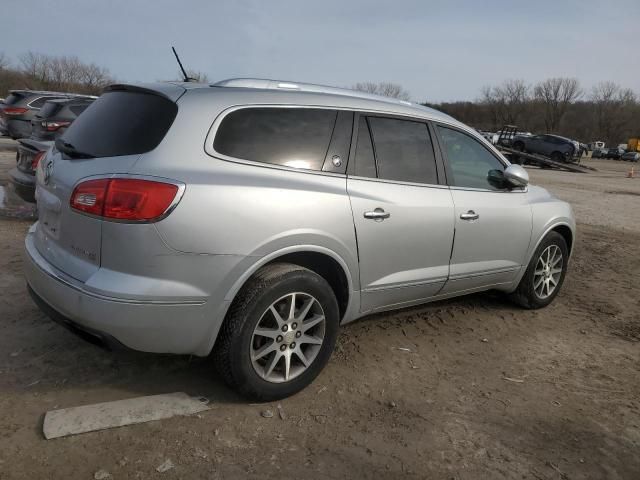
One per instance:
(320,260)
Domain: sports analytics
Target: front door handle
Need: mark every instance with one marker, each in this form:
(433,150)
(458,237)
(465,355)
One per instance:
(378,215)
(470,215)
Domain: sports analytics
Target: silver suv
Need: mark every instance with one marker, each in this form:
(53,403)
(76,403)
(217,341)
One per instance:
(251,218)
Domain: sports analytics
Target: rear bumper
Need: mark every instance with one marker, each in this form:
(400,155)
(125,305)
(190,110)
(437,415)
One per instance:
(148,326)
(24,184)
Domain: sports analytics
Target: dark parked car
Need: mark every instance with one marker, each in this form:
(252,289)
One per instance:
(599,153)
(558,148)
(615,153)
(22,177)
(49,123)
(21,106)
(630,157)
(56,116)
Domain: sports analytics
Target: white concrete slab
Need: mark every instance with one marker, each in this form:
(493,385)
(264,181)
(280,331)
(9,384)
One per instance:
(100,416)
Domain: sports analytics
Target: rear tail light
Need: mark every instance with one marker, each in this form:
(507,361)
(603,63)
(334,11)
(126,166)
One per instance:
(36,160)
(14,110)
(53,126)
(129,199)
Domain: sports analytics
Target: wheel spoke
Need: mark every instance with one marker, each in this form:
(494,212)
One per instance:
(312,322)
(267,332)
(555,271)
(537,281)
(305,309)
(292,307)
(309,339)
(303,358)
(279,320)
(287,366)
(271,365)
(257,355)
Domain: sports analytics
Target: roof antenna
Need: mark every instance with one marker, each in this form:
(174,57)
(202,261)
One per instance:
(187,78)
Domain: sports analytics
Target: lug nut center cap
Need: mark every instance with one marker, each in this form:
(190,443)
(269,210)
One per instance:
(289,336)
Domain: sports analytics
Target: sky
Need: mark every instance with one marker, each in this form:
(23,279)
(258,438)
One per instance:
(437,50)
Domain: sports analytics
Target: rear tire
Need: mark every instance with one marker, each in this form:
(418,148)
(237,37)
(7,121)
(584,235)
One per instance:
(540,284)
(261,320)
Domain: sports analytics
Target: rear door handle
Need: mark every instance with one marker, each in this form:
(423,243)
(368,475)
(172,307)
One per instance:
(470,215)
(378,215)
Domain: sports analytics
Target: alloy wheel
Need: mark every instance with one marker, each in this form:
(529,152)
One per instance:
(288,337)
(546,276)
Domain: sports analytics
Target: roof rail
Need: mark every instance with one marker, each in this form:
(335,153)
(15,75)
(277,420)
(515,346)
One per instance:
(267,84)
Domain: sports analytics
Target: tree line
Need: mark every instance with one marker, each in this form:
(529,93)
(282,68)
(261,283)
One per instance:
(37,71)
(606,112)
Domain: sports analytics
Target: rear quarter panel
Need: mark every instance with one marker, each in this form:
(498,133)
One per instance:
(244,210)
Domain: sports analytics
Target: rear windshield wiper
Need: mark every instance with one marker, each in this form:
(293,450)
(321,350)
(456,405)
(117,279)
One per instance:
(70,150)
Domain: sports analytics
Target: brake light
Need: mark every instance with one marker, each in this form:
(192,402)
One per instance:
(53,126)
(14,110)
(36,160)
(129,199)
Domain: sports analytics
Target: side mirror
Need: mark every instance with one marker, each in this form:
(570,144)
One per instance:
(516,176)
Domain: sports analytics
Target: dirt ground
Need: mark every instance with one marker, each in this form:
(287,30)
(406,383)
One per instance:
(487,390)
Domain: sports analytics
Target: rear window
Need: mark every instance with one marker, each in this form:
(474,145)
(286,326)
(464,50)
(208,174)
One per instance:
(78,109)
(13,98)
(403,150)
(49,109)
(122,123)
(294,137)
(39,102)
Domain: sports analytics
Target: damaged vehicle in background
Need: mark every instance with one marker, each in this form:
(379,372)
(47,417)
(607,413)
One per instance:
(251,218)
(48,124)
(560,149)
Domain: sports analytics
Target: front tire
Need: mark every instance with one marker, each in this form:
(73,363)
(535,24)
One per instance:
(279,333)
(545,273)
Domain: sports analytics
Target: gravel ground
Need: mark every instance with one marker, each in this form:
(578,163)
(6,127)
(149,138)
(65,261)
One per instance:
(486,390)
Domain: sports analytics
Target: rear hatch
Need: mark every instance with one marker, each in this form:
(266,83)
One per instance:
(108,138)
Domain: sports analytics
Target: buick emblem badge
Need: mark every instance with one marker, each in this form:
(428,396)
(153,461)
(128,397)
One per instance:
(48,171)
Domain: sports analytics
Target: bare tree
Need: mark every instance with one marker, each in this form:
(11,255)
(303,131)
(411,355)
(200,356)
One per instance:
(64,73)
(4,61)
(612,105)
(386,89)
(555,95)
(507,102)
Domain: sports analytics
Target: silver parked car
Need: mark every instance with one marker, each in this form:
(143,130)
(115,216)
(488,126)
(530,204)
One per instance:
(251,218)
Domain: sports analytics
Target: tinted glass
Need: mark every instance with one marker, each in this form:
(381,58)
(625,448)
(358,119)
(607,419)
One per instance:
(122,123)
(13,98)
(403,150)
(39,102)
(78,109)
(49,109)
(295,137)
(365,161)
(472,165)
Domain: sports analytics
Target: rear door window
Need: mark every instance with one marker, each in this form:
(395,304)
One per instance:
(293,137)
(122,123)
(365,162)
(403,150)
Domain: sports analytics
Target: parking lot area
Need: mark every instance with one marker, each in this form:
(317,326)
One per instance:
(463,389)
